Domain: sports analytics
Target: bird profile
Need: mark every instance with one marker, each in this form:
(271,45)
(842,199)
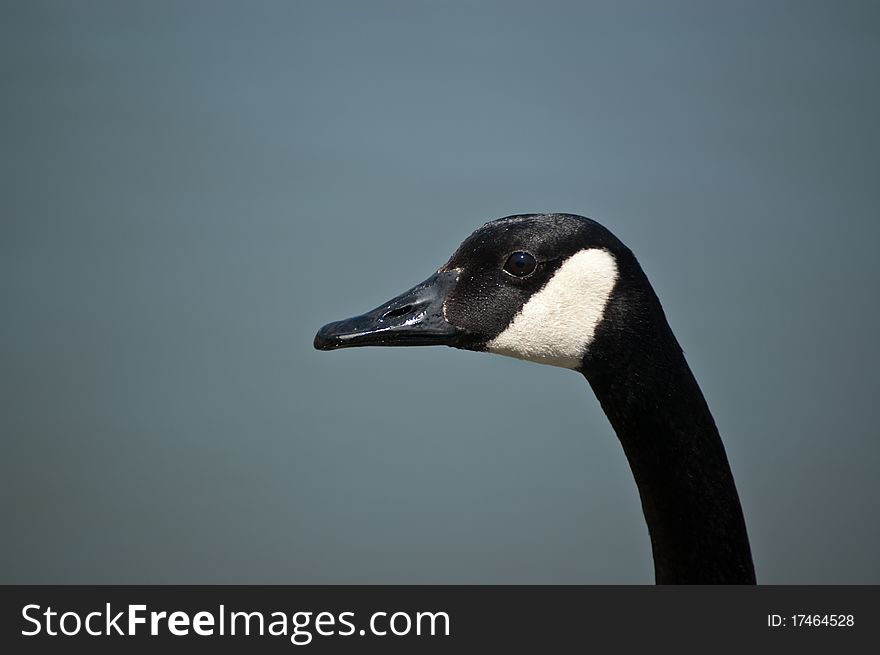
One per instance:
(562,290)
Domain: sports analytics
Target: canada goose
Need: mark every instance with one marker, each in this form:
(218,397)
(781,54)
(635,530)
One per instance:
(561,289)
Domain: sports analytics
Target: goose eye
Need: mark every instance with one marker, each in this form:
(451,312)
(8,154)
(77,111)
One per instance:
(520,264)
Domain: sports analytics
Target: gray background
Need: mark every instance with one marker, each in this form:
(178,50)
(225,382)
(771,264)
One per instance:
(189,190)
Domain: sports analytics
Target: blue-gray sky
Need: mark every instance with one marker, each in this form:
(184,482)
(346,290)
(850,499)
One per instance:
(189,190)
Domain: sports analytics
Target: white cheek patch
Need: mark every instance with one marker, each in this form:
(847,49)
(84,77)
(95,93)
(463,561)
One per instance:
(559,322)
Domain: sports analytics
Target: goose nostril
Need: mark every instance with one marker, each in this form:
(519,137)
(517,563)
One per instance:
(396,313)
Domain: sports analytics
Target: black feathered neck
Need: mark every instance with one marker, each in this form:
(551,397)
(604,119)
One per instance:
(645,386)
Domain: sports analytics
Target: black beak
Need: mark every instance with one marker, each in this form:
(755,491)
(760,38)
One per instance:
(414,318)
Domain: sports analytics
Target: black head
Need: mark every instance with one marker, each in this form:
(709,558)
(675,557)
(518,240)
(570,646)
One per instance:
(532,286)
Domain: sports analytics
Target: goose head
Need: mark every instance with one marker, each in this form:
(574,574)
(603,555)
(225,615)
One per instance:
(535,286)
